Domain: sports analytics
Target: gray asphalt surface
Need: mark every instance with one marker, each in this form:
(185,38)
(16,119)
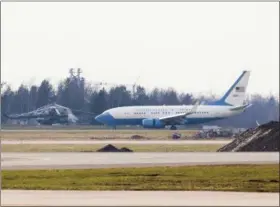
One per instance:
(121,198)
(139,142)
(136,198)
(107,160)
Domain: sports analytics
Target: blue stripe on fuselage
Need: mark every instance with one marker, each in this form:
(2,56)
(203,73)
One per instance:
(108,119)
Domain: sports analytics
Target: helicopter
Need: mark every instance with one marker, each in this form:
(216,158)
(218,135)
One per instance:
(47,115)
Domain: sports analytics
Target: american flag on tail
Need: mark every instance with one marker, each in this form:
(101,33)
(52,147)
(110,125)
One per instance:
(240,89)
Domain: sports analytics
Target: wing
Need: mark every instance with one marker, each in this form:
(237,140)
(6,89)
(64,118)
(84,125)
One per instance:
(178,118)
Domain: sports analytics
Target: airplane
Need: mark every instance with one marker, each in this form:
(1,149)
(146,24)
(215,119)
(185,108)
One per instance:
(159,117)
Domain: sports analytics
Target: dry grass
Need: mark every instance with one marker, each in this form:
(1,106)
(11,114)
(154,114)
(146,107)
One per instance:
(91,134)
(245,178)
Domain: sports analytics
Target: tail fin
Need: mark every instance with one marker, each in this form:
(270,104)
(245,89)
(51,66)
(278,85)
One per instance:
(236,95)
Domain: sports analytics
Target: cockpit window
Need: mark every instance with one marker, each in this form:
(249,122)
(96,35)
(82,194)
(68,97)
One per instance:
(105,111)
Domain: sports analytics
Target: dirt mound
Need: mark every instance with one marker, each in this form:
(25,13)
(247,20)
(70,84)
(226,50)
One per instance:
(112,148)
(137,137)
(108,148)
(264,138)
(124,149)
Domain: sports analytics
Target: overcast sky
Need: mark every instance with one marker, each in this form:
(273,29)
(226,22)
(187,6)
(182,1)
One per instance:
(192,47)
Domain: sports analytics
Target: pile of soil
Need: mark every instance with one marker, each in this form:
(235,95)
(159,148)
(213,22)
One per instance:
(137,137)
(124,149)
(264,138)
(112,148)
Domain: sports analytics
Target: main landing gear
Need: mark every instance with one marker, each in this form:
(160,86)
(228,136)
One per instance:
(173,127)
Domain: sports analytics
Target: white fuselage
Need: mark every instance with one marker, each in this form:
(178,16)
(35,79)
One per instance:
(134,115)
(141,112)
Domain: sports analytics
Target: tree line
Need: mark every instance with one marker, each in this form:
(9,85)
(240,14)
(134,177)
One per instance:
(82,96)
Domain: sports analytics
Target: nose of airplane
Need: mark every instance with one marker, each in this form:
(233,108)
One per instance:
(98,118)
(105,118)
(101,118)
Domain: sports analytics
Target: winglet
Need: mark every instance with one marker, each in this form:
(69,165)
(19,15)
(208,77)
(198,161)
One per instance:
(194,108)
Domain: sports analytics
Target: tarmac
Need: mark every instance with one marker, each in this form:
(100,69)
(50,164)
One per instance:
(73,160)
(88,160)
(138,142)
(136,198)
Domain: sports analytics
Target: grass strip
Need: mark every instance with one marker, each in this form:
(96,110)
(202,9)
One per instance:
(92,134)
(94,147)
(245,178)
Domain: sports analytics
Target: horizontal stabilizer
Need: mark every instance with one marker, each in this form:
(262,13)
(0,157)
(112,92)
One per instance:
(243,107)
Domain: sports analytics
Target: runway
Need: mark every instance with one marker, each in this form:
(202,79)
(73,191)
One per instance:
(138,142)
(15,161)
(136,198)
(80,160)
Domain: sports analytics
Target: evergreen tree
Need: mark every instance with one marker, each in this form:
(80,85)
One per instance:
(46,94)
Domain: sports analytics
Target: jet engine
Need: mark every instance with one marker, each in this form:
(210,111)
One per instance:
(153,124)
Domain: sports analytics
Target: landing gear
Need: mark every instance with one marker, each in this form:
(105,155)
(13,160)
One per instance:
(173,127)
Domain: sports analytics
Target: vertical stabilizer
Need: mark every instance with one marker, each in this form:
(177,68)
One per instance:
(236,95)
